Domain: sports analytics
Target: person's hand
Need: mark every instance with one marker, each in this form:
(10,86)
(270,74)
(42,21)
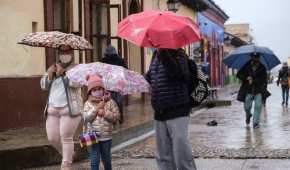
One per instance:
(50,71)
(250,79)
(101,112)
(101,105)
(59,70)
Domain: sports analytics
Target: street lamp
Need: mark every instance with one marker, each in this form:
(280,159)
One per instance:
(173,5)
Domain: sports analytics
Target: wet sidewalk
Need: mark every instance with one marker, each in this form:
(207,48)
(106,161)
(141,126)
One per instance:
(201,164)
(21,146)
(29,147)
(232,139)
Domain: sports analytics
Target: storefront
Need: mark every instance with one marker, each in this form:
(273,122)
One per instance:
(211,49)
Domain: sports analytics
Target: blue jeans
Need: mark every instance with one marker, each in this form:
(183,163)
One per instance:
(101,150)
(258,106)
(285,94)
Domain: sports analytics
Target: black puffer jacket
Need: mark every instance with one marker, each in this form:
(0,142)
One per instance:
(169,87)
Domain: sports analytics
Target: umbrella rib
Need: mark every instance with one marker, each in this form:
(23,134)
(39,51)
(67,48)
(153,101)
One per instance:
(146,33)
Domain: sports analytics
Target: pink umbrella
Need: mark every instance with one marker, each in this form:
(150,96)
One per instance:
(115,78)
(159,29)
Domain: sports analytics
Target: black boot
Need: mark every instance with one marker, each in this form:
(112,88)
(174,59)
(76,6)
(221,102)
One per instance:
(256,125)
(248,118)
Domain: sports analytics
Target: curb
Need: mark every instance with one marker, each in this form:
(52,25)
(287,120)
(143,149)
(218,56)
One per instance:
(46,155)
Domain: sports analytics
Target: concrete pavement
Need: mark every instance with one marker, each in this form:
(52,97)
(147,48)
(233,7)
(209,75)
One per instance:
(232,138)
(202,164)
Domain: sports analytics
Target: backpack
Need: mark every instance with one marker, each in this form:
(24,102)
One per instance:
(198,88)
(284,77)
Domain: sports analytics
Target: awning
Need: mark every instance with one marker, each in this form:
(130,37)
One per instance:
(202,5)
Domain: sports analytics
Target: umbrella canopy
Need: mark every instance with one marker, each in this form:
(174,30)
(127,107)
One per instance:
(159,30)
(115,78)
(239,57)
(55,39)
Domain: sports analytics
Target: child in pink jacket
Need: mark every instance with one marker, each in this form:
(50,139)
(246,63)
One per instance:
(100,113)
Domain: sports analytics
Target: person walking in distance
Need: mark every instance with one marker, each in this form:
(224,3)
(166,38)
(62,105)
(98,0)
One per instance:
(254,77)
(283,81)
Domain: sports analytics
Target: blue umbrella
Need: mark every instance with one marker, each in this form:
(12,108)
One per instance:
(238,58)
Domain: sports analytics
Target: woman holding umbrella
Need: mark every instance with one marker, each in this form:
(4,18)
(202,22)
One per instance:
(64,103)
(64,106)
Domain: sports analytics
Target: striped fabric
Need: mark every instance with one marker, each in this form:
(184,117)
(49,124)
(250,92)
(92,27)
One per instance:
(88,138)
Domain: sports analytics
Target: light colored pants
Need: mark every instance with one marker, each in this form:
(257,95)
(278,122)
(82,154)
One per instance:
(173,149)
(60,129)
(258,106)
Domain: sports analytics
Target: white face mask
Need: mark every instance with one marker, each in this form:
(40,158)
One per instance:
(98,93)
(65,58)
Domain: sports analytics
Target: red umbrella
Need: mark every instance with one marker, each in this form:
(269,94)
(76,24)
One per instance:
(159,29)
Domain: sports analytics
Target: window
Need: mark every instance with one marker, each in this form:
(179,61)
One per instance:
(134,6)
(100,28)
(34,26)
(62,14)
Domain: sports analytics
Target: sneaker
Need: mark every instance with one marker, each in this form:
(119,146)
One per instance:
(248,118)
(256,125)
(283,103)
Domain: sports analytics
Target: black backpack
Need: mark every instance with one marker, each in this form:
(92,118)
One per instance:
(197,86)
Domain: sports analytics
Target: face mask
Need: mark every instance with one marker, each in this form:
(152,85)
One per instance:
(65,60)
(97,93)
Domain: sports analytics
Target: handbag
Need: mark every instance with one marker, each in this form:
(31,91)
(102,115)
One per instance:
(88,138)
(200,91)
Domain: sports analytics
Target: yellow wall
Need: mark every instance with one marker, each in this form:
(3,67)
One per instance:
(16,18)
(115,1)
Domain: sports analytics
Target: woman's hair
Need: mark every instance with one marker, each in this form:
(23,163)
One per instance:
(172,59)
(165,54)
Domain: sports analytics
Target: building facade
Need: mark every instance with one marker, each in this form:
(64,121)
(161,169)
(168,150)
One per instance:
(211,24)
(236,35)
(23,101)
(242,31)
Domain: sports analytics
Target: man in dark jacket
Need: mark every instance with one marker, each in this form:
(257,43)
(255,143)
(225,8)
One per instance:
(111,57)
(283,80)
(253,76)
(168,76)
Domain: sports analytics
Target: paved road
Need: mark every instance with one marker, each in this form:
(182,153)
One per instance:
(202,164)
(232,138)
(240,146)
